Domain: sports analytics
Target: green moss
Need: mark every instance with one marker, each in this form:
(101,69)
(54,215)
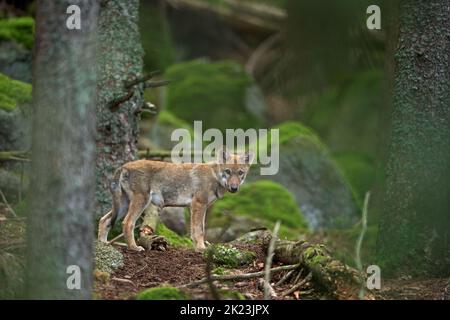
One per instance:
(229,256)
(107,258)
(212,92)
(263,199)
(13,92)
(359,170)
(162,293)
(231,295)
(20,30)
(173,238)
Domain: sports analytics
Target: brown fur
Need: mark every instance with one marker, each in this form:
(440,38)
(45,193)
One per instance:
(138,183)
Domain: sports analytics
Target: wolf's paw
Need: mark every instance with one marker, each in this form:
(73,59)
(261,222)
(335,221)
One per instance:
(137,248)
(200,247)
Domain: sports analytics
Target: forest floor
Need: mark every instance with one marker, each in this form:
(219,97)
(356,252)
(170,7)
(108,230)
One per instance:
(180,266)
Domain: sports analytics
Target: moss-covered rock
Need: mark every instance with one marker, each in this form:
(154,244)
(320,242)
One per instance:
(213,92)
(229,256)
(15,114)
(20,30)
(308,171)
(13,93)
(107,258)
(265,202)
(165,292)
(173,238)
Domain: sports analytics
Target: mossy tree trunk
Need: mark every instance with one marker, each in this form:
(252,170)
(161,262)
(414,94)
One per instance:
(119,60)
(60,224)
(415,226)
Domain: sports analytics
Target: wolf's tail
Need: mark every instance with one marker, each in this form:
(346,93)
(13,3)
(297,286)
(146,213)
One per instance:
(119,197)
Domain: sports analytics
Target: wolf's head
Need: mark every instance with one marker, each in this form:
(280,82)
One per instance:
(233,168)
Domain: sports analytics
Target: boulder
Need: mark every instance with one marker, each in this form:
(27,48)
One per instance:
(308,171)
(258,204)
(16,42)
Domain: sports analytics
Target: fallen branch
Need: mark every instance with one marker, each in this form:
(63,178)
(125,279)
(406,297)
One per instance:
(240,276)
(297,285)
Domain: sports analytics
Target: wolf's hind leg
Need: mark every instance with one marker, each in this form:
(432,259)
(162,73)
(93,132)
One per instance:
(137,206)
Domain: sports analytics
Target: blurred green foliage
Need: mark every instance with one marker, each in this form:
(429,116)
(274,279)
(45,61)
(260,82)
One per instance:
(13,92)
(20,30)
(213,92)
(359,170)
(155,37)
(348,117)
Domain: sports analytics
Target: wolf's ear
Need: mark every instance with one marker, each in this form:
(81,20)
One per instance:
(223,155)
(248,157)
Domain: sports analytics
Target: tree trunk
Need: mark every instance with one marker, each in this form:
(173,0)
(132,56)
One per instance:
(415,226)
(119,60)
(60,224)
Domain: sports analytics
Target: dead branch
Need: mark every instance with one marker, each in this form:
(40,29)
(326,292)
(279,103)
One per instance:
(7,204)
(297,285)
(142,79)
(284,278)
(14,156)
(155,84)
(114,104)
(240,276)
(268,265)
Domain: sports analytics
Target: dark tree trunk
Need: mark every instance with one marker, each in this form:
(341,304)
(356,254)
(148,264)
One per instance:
(60,221)
(415,226)
(119,61)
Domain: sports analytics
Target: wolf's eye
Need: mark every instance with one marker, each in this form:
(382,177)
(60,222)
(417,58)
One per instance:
(241,172)
(227,171)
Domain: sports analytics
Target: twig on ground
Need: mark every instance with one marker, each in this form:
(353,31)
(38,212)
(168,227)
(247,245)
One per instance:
(123,280)
(360,240)
(240,276)
(284,278)
(268,265)
(297,285)
(120,236)
(7,204)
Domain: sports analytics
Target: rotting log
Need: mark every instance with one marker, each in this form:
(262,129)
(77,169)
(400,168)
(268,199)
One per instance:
(329,275)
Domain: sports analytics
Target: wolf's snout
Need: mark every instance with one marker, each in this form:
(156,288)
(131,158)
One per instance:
(234,189)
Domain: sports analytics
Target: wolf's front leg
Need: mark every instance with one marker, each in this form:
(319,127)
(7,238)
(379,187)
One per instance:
(198,212)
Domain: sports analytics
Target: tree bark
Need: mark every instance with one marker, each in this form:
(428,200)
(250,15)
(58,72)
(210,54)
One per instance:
(415,225)
(119,61)
(60,224)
